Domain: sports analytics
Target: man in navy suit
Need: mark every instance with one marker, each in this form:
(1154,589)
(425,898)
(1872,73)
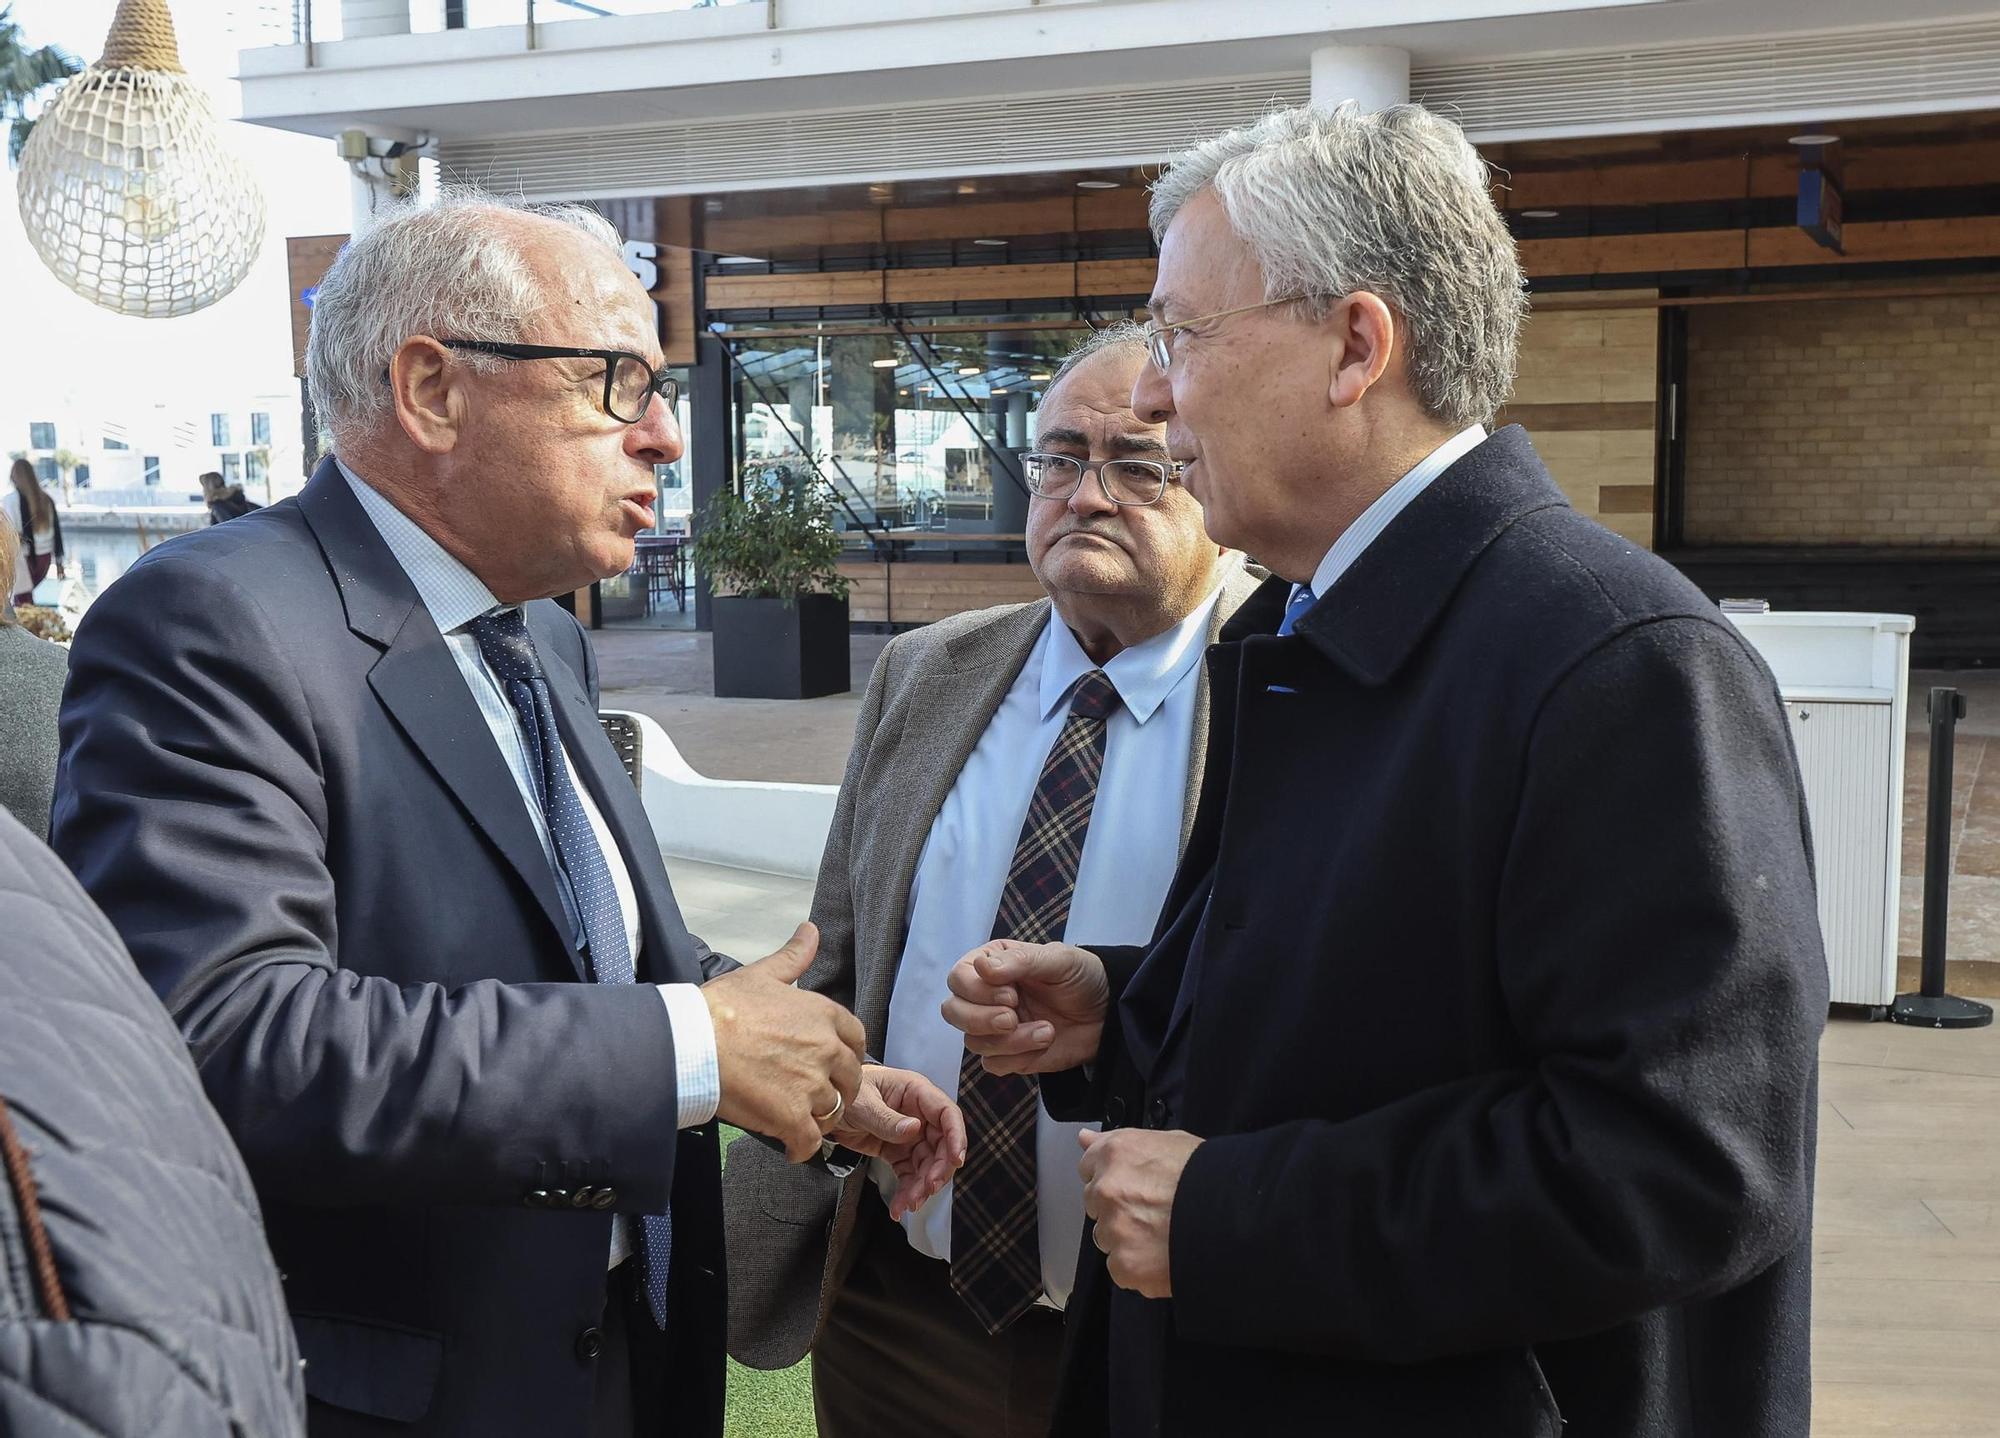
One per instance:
(335,773)
(1467,1085)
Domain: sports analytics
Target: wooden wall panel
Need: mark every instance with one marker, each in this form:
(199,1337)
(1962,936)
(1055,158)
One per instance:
(771,292)
(1115,277)
(760,235)
(307,259)
(1734,177)
(920,593)
(1083,213)
(1633,254)
(1099,210)
(675,296)
(967,221)
(978,282)
(1969,238)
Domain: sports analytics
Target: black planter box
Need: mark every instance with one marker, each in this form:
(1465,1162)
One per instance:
(767,649)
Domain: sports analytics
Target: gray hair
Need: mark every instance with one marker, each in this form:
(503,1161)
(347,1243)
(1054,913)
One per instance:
(1119,334)
(1395,203)
(440,268)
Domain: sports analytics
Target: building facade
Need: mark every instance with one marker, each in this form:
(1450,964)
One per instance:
(1763,238)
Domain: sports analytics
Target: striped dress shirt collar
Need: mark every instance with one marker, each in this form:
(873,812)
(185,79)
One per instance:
(452,593)
(1390,503)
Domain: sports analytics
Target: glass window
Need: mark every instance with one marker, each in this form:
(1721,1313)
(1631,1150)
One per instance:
(913,435)
(111,442)
(82,476)
(218,430)
(149,468)
(255,466)
(232,468)
(41,435)
(45,471)
(260,427)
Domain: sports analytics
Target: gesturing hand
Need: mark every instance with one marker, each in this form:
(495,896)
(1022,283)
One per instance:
(1130,1177)
(909,1122)
(1028,1008)
(788,1059)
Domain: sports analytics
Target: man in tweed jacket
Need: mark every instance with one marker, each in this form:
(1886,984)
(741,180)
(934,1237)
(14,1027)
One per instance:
(943,824)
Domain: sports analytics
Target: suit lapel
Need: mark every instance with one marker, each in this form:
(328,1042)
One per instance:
(947,714)
(420,684)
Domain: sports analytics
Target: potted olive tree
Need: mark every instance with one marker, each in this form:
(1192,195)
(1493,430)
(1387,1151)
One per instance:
(772,555)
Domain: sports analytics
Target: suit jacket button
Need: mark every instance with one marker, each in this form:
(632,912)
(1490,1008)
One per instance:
(1156,1114)
(582,1197)
(558,1198)
(1114,1112)
(589,1344)
(537,1198)
(605,1197)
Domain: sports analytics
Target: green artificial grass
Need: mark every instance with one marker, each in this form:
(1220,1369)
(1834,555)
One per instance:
(770,1405)
(767,1404)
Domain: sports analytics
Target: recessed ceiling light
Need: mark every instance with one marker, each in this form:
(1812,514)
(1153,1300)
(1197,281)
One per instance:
(1037,376)
(1539,214)
(738,260)
(989,242)
(966,187)
(883,364)
(970,369)
(1814,140)
(902,391)
(1097,184)
(996,391)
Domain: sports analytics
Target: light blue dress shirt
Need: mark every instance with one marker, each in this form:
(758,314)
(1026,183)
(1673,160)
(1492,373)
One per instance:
(1129,856)
(454,597)
(1390,503)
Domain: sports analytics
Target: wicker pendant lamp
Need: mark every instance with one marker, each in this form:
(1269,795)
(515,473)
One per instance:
(127,190)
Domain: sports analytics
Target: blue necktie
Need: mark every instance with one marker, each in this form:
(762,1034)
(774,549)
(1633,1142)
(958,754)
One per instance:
(1302,599)
(589,896)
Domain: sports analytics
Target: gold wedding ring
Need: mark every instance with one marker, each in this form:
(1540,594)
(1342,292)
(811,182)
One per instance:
(831,1114)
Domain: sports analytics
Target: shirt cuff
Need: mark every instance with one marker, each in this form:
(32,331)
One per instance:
(697,1071)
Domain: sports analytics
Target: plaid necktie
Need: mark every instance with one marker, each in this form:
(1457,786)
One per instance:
(996,1251)
(589,896)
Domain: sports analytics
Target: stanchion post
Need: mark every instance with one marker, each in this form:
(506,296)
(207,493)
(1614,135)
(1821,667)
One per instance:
(1931,1007)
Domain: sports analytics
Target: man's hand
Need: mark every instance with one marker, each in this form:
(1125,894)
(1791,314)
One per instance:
(906,1120)
(789,1060)
(1028,1008)
(1130,1177)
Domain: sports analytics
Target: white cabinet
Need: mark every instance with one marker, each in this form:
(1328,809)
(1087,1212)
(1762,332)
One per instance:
(1844,678)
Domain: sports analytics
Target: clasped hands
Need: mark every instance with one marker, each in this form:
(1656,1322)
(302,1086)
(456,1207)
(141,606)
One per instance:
(791,1069)
(1041,1008)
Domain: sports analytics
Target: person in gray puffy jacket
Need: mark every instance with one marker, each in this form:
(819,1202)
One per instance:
(137,1296)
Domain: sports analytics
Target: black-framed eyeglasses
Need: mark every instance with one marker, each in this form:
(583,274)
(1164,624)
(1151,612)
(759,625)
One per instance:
(1124,481)
(629,382)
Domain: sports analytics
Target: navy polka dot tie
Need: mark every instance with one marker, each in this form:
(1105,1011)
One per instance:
(589,896)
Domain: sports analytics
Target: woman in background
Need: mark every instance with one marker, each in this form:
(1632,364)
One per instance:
(33,514)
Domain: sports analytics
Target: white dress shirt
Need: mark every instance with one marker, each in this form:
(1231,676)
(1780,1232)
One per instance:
(454,597)
(1129,856)
(1390,503)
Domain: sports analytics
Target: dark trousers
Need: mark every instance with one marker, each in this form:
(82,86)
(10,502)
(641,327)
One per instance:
(901,1353)
(630,1347)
